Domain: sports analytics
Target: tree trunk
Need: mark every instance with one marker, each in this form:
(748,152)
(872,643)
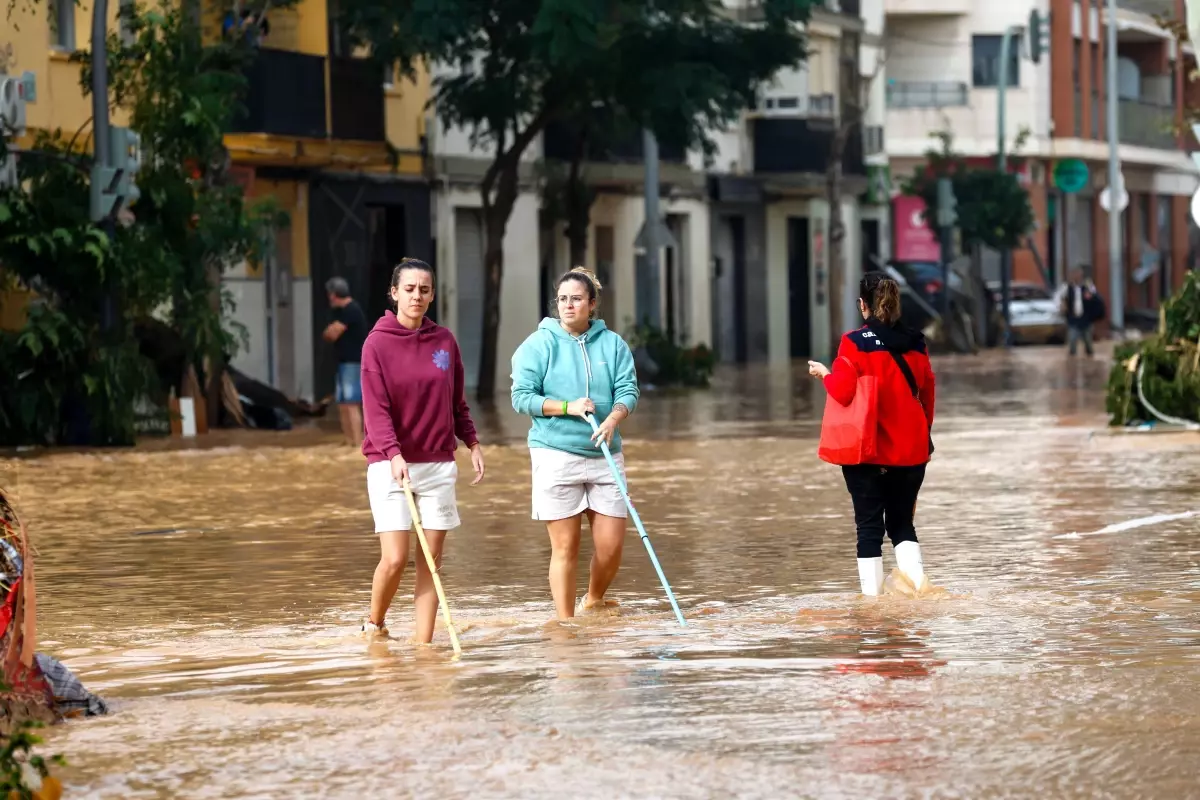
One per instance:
(497,211)
(578,200)
(499,196)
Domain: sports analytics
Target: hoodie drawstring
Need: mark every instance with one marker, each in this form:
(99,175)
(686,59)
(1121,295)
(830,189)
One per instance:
(587,364)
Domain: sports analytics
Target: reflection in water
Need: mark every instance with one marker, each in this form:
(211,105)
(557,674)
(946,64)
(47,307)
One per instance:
(214,594)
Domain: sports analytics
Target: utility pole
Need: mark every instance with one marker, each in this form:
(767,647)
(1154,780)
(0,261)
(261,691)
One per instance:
(101,149)
(947,218)
(1002,164)
(1116,189)
(649,280)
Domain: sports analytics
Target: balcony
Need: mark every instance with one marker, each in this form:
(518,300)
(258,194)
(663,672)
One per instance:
(356,100)
(1146,124)
(286,95)
(940,8)
(795,145)
(926,94)
(287,92)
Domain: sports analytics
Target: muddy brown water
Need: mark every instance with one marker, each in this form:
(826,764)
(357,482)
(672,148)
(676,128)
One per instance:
(213,595)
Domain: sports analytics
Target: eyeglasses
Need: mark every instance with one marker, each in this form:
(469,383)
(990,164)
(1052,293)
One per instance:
(575,299)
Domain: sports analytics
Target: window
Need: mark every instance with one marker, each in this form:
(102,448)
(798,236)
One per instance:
(62,25)
(1075,74)
(985,61)
(1097,84)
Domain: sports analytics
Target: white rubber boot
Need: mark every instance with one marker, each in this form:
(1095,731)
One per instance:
(908,559)
(870,575)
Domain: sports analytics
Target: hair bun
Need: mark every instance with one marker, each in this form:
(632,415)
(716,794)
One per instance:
(591,276)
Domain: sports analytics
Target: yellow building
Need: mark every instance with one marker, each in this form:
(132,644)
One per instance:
(337,141)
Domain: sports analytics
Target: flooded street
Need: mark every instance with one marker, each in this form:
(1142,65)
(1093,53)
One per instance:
(213,596)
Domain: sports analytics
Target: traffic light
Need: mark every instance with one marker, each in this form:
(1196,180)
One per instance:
(1039,36)
(947,204)
(113,186)
(12,123)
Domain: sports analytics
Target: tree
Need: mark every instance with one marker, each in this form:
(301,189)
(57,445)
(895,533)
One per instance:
(681,68)
(73,383)
(993,208)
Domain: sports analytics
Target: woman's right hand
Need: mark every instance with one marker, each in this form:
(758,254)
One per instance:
(580,407)
(399,470)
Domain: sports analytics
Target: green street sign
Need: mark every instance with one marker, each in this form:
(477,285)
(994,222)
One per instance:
(1070,175)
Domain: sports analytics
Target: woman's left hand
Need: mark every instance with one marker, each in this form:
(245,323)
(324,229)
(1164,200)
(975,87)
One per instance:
(477,462)
(817,369)
(605,432)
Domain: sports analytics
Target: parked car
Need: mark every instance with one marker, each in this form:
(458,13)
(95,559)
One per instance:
(922,290)
(1036,316)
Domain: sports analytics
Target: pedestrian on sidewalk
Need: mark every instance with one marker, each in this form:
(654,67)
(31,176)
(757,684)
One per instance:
(573,366)
(884,491)
(414,402)
(347,332)
(1083,307)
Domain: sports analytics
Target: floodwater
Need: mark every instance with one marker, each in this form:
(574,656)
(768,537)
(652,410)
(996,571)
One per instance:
(213,595)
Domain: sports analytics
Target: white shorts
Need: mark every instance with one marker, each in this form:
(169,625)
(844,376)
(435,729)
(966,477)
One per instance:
(433,489)
(565,484)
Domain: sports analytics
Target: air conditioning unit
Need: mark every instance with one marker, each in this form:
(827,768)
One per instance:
(12,106)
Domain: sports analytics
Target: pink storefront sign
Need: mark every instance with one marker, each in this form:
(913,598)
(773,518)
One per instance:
(915,240)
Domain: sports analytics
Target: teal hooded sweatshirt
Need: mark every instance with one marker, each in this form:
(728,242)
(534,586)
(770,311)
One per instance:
(554,365)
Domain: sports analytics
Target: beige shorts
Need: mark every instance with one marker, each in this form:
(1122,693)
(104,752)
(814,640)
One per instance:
(433,489)
(565,484)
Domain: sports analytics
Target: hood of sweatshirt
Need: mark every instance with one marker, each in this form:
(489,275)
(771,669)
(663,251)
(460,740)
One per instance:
(391,326)
(596,327)
(898,337)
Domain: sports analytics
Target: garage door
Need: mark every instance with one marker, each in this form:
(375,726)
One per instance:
(468,248)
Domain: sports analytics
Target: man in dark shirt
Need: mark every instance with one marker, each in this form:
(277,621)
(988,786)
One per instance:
(347,332)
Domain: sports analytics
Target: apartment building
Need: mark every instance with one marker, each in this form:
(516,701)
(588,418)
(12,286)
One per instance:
(943,68)
(767,188)
(336,143)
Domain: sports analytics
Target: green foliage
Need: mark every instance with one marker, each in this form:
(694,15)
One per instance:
(682,68)
(189,224)
(993,207)
(1170,361)
(677,365)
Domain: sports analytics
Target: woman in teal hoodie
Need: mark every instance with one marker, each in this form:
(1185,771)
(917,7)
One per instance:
(570,367)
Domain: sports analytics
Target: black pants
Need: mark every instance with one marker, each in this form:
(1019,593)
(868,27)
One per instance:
(885,498)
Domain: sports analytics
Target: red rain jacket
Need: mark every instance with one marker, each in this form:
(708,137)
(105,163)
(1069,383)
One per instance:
(904,423)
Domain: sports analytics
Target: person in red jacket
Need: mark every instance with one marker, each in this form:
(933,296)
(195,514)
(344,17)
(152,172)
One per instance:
(414,407)
(884,492)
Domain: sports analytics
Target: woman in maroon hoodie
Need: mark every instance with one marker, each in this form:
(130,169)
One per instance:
(885,491)
(414,407)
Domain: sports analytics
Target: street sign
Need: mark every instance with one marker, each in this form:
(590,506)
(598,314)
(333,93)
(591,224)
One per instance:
(1071,175)
(1196,207)
(1122,196)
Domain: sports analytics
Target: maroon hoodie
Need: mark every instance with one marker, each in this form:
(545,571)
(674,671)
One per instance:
(414,399)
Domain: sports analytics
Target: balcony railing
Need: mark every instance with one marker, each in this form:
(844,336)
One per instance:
(356,100)
(286,95)
(287,91)
(926,94)
(796,145)
(1146,124)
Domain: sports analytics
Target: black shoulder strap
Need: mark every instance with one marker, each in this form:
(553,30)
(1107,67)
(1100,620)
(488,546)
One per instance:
(902,363)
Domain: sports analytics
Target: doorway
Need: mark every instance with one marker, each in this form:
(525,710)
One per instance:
(386,237)
(799,288)
(469,284)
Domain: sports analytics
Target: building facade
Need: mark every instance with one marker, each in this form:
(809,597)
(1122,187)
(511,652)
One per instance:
(943,69)
(335,143)
(770,211)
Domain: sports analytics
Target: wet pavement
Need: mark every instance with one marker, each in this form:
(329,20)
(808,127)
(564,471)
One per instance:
(213,596)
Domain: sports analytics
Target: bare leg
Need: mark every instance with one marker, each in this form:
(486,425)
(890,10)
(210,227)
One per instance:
(564,556)
(354,420)
(425,599)
(393,555)
(608,541)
